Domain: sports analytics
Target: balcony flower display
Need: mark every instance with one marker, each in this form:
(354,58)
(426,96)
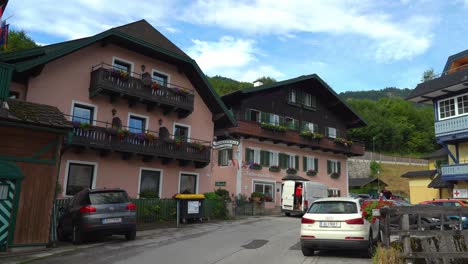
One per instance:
(199,146)
(122,133)
(335,175)
(255,166)
(150,137)
(368,206)
(311,135)
(343,142)
(273,127)
(155,86)
(120,74)
(178,142)
(274,168)
(311,172)
(291,170)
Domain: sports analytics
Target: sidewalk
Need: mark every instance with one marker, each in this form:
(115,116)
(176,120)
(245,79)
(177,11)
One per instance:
(157,236)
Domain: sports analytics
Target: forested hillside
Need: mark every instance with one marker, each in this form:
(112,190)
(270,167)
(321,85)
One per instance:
(224,85)
(389,92)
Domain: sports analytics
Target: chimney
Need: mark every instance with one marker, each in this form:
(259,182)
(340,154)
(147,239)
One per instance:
(257,83)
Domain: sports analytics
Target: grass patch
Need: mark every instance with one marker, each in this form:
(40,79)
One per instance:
(390,255)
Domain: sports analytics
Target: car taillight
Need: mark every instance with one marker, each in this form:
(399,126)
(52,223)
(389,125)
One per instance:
(307,221)
(356,221)
(131,207)
(88,209)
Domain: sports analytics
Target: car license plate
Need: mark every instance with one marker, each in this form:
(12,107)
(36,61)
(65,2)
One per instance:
(111,220)
(330,224)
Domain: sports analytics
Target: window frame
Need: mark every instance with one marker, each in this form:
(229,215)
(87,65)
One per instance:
(86,105)
(310,160)
(256,155)
(67,172)
(292,125)
(329,134)
(265,182)
(292,94)
(334,166)
(274,155)
(221,151)
(182,125)
(274,119)
(132,65)
(455,104)
(168,76)
(161,172)
(307,103)
(197,183)
(146,118)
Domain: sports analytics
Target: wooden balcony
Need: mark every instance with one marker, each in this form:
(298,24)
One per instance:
(291,137)
(170,98)
(108,140)
(454,172)
(451,129)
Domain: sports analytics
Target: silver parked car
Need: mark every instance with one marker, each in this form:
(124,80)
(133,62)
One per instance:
(97,211)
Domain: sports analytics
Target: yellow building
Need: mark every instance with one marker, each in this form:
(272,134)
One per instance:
(448,93)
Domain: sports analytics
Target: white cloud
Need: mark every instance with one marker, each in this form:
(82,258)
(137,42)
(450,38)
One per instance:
(231,57)
(394,38)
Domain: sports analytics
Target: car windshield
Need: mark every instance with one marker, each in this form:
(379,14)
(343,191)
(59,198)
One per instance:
(333,207)
(108,197)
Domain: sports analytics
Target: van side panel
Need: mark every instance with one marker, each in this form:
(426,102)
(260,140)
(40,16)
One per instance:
(288,195)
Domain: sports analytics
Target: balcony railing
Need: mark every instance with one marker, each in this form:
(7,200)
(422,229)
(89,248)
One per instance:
(454,172)
(107,80)
(292,137)
(451,127)
(147,144)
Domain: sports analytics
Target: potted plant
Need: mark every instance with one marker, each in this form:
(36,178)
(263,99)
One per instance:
(155,86)
(368,206)
(256,196)
(150,137)
(178,142)
(122,133)
(273,127)
(291,170)
(343,142)
(199,146)
(311,172)
(255,166)
(274,168)
(311,135)
(335,175)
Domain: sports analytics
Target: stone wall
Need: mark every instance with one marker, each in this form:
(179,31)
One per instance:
(358,168)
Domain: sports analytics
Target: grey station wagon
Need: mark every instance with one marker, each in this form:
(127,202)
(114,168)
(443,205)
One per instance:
(97,211)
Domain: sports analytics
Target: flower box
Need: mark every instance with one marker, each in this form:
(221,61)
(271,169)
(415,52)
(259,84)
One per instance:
(274,168)
(291,171)
(272,127)
(335,175)
(368,207)
(155,86)
(343,142)
(122,133)
(311,172)
(150,137)
(255,166)
(311,135)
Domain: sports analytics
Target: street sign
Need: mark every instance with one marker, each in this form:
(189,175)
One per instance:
(460,193)
(223,144)
(220,183)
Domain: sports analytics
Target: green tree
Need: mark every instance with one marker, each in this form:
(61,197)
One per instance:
(18,40)
(428,75)
(266,80)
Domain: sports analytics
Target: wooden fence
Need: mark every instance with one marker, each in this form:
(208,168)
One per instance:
(433,233)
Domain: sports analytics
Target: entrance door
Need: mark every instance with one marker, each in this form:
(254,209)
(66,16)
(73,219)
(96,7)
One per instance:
(7,194)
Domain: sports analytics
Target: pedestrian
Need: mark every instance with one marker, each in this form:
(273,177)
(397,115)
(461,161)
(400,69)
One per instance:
(298,195)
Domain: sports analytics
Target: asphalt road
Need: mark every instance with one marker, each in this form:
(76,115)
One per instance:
(265,240)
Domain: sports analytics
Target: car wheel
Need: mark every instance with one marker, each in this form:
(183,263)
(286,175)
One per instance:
(60,235)
(307,251)
(287,214)
(130,235)
(77,235)
(371,246)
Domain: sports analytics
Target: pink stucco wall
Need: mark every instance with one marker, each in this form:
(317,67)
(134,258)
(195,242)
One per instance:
(67,79)
(229,173)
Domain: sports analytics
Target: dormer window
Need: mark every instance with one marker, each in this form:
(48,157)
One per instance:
(292,96)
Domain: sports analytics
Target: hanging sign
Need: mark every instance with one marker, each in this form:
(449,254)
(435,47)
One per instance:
(223,144)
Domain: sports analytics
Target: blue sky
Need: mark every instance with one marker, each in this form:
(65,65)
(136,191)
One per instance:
(351,44)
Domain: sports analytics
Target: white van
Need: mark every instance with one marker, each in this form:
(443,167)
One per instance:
(311,191)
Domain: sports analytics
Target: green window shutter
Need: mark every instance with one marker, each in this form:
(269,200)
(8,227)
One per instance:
(316,164)
(219,157)
(296,162)
(264,158)
(230,154)
(248,155)
(282,160)
(304,163)
(339,167)
(329,169)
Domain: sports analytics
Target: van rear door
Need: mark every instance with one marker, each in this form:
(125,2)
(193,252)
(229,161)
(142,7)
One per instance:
(288,195)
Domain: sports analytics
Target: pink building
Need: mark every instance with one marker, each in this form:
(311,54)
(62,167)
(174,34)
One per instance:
(142,111)
(298,126)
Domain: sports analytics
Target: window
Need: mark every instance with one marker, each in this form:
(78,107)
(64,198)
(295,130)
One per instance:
(293,161)
(188,183)
(291,122)
(267,188)
(108,197)
(307,100)
(256,158)
(249,155)
(254,115)
(310,163)
(224,156)
(83,113)
(310,127)
(274,119)
(14,95)
(447,108)
(136,124)
(122,65)
(333,166)
(150,181)
(264,158)
(80,176)
(292,96)
(333,207)
(274,159)
(331,132)
(160,78)
(462,104)
(181,132)
(334,193)
(3,192)
(284,160)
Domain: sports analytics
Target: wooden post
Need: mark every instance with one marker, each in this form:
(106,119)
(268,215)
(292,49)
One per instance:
(385,227)
(406,238)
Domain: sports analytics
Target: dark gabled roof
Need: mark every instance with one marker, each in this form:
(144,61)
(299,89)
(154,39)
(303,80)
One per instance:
(139,36)
(436,155)
(290,177)
(453,58)
(438,183)
(352,119)
(421,173)
(34,114)
(359,182)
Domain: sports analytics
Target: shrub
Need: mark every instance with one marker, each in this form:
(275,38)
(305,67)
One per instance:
(224,194)
(256,194)
(149,194)
(219,209)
